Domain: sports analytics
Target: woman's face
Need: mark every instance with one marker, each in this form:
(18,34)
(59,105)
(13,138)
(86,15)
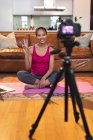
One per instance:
(41,36)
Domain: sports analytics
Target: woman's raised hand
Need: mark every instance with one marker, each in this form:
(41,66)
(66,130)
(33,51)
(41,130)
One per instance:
(25,46)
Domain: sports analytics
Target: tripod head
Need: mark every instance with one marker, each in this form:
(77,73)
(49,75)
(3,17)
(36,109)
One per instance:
(69,43)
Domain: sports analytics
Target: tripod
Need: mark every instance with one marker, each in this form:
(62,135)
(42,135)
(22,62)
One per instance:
(75,97)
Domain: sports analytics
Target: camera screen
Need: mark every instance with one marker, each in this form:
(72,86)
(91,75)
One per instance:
(67,30)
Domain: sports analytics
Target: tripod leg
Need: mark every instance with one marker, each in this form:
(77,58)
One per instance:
(76,114)
(74,91)
(34,126)
(66,98)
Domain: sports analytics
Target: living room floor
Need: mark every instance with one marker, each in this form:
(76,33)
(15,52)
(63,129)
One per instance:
(12,77)
(16,117)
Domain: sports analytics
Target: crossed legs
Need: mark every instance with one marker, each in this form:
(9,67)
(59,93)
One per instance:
(32,80)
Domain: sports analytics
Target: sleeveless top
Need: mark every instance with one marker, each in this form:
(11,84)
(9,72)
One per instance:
(40,64)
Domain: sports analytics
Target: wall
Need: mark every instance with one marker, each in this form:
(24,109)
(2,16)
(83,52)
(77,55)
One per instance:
(10,7)
(27,7)
(6,18)
(81,8)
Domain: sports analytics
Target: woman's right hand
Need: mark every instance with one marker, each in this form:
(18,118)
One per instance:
(25,47)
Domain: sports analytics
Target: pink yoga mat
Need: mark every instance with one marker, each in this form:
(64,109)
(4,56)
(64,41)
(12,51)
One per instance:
(19,88)
(83,87)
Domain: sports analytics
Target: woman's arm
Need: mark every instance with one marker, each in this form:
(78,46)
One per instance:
(28,57)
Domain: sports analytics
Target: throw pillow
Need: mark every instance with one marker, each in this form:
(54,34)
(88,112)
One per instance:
(84,40)
(7,42)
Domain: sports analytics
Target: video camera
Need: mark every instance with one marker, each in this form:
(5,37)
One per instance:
(68,28)
(66,33)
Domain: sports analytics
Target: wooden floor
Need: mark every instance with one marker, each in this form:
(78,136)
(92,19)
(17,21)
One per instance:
(16,117)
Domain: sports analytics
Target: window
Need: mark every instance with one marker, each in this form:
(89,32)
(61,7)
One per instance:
(53,20)
(24,21)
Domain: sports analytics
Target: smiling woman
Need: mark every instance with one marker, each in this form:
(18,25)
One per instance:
(39,61)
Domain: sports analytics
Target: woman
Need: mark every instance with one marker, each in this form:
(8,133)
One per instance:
(39,61)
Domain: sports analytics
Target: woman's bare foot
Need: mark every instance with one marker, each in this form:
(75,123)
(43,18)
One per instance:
(51,85)
(48,84)
(29,86)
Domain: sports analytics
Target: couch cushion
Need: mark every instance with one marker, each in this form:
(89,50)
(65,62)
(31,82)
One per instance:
(12,53)
(80,53)
(77,53)
(84,40)
(8,41)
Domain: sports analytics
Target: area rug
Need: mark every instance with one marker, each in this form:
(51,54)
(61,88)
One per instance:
(19,92)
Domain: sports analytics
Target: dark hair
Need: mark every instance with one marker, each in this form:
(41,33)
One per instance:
(40,28)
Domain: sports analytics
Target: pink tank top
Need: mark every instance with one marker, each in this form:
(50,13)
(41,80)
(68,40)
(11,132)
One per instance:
(40,64)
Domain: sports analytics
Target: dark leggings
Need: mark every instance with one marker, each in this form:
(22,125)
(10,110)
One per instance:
(29,78)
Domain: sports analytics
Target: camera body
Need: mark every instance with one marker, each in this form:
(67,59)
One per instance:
(68,28)
(67,32)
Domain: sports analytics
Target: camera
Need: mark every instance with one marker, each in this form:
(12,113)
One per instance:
(68,28)
(67,32)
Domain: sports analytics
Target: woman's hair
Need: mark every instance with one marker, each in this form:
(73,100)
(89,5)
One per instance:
(40,28)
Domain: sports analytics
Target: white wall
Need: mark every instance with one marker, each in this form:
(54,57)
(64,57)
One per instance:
(26,7)
(10,7)
(6,18)
(81,8)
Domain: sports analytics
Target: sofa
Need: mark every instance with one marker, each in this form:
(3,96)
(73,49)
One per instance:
(12,59)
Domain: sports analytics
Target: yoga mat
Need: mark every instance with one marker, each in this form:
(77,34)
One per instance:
(83,87)
(19,88)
